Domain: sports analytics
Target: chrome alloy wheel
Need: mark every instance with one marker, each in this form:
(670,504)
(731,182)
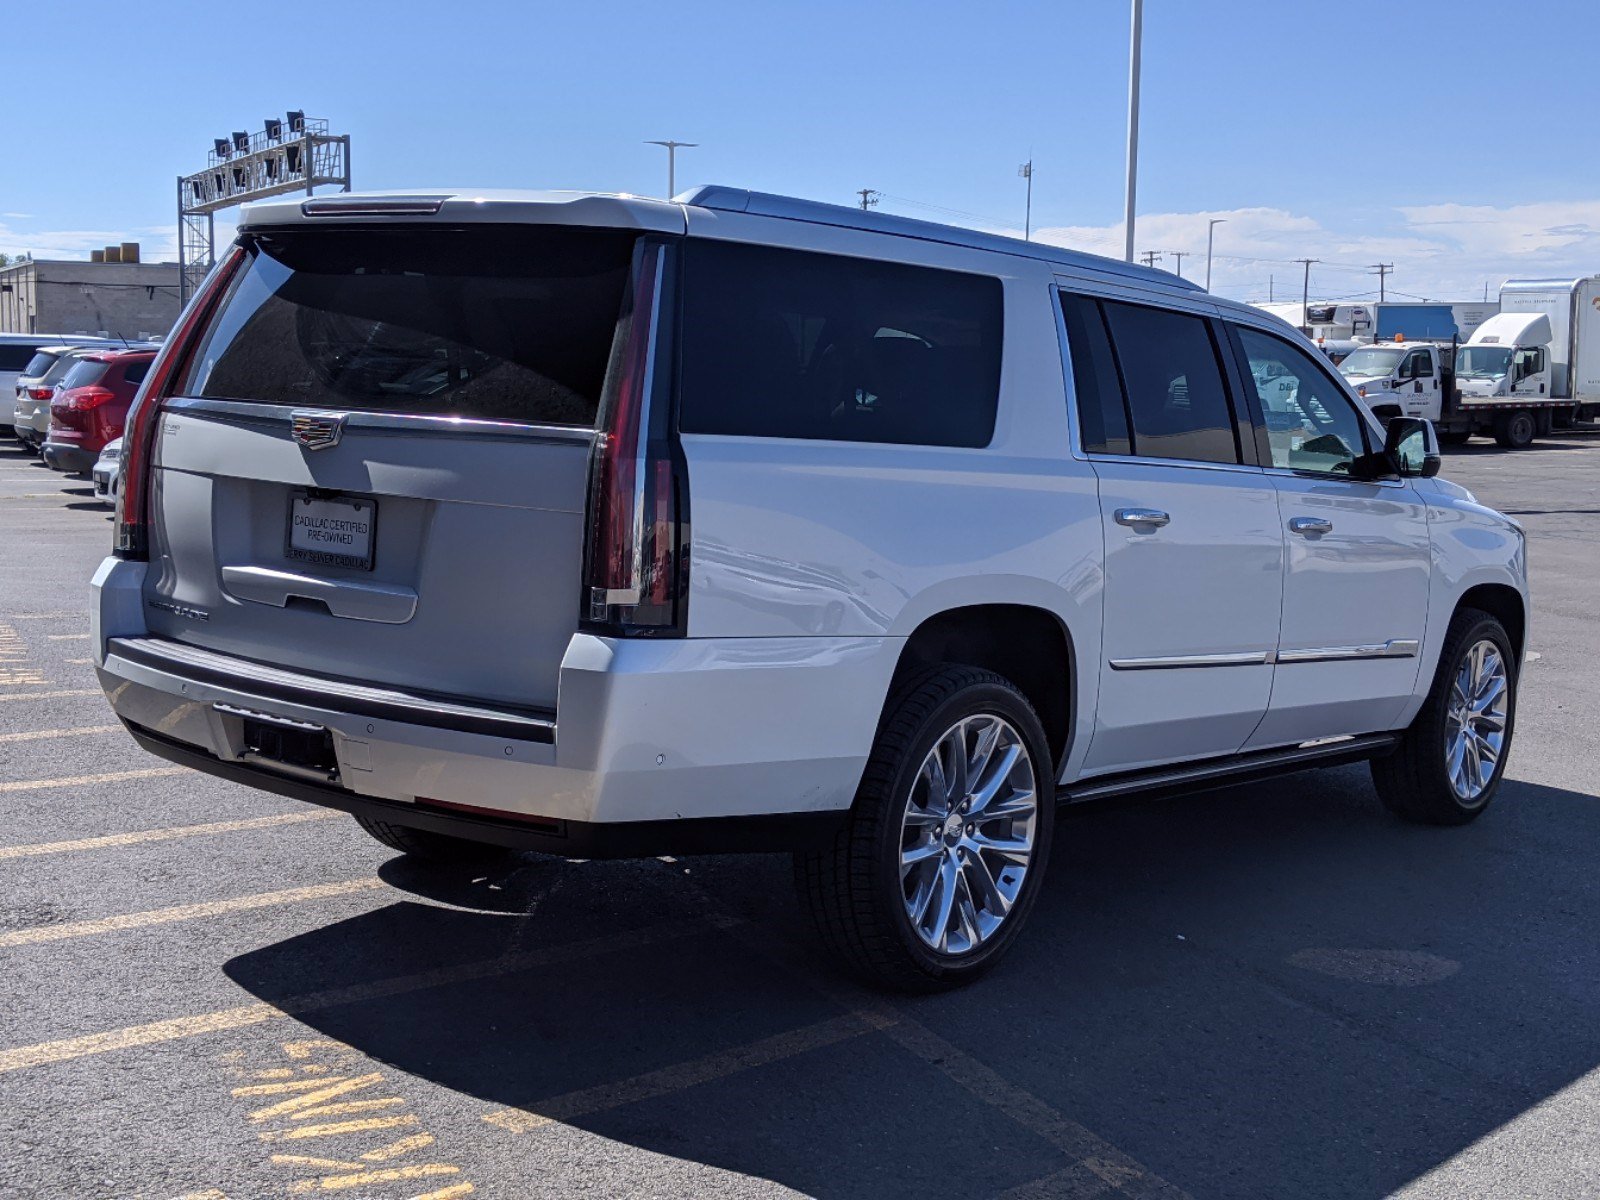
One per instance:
(1475,721)
(968,834)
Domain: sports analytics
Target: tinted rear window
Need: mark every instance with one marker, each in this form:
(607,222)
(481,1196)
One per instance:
(504,323)
(84,373)
(135,372)
(1173,384)
(38,364)
(785,343)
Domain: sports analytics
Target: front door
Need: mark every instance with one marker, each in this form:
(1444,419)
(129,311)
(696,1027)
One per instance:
(1359,560)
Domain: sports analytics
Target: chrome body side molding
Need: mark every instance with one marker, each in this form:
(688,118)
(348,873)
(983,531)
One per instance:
(1398,648)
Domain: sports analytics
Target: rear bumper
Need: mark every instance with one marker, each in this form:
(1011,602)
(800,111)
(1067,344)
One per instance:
(657,747)
(63,456)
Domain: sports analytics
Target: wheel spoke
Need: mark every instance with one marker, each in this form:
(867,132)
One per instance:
(1017,804)
(981,885)
(956,741)
(910,856)
(1489,694)
(933,772)
(995,775)
(1016,849)
(939,927)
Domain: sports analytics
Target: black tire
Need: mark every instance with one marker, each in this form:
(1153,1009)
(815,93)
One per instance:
(1454,437)
(853,889)
(1515,430)
(426,846)
(1414,781)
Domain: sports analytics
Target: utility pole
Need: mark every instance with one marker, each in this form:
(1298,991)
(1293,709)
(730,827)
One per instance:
(1137,35)
(868,198)
(1026,171)
(672,162)
(1211,231)
(1150,257)
(1305,293)
(1381,270)
(1179,255)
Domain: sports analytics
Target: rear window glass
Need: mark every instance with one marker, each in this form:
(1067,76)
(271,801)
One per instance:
(503,323)
(85,372)
(785,343)
(38,364)
(60,364)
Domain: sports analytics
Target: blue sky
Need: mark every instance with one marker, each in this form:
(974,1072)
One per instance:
(1456,139)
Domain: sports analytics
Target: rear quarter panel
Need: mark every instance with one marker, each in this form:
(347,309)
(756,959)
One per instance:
(797,537)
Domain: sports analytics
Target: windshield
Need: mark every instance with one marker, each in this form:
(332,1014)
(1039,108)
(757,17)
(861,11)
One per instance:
(1373,360)
(1482,362)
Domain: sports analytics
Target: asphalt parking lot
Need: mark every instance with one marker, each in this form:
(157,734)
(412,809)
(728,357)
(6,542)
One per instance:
(1268,991)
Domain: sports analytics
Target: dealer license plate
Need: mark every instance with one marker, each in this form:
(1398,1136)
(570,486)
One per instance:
(337,531)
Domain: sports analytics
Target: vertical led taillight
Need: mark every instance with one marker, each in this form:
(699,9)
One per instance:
(144,417)
(634,570)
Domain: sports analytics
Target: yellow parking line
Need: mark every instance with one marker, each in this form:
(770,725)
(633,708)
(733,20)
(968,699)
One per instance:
(339,1183)
(40,734)
(64,1050)
(163,835)
(34,785)
(184,912)
(54,695)
(686,1074)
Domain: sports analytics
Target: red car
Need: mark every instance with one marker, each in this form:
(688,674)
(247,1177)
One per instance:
(90,406)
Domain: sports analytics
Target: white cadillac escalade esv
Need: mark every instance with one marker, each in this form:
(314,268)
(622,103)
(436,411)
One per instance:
(604,526)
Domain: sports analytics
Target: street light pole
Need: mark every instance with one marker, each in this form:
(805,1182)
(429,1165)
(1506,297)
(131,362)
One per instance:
(672,162)
(1133,125)
(1211,231)
(1026,171)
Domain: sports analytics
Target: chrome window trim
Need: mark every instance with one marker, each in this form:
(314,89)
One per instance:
(1189,463)
(381,422)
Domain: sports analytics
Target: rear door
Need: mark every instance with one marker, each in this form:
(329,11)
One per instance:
(1193,549)
(376,468)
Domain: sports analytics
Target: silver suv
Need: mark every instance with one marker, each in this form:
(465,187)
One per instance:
(605,526)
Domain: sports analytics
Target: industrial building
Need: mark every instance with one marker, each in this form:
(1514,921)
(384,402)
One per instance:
(113,294)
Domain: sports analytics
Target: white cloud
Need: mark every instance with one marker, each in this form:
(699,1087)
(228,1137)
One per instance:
(1445,251)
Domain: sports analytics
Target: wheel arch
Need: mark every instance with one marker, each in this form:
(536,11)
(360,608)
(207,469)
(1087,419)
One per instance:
(1029,645)
(1504,603)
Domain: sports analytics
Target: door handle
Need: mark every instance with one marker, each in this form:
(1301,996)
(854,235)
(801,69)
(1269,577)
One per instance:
(1134,517)
(1310,525)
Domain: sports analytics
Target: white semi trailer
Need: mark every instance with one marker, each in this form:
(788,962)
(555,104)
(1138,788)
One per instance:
(1573,308)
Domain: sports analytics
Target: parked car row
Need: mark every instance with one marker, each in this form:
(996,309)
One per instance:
(72,399)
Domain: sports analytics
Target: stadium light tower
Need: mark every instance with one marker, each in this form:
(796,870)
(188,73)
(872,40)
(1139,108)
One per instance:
(303,157)
(672,161)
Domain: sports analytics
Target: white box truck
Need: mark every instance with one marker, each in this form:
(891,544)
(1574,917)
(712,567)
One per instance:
(1573,308)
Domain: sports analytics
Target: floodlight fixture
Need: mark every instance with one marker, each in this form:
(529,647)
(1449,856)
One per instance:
(274,128)
(241,141)
(224,147)
(297,120)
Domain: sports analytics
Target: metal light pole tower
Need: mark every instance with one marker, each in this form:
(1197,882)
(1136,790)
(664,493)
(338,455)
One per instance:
(1133,125)
(672,162)
(296,154)
(1026,171)
(1211,231)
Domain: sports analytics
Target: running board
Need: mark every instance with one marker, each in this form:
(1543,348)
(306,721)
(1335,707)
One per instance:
(1221,772)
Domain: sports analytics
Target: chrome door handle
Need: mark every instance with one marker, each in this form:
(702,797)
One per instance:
(1133,517)
(1310,525)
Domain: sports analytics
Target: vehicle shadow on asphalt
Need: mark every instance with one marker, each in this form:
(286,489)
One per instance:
(1264,991)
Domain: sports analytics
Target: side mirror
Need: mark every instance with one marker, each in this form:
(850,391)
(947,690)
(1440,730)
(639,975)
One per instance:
(1412,447)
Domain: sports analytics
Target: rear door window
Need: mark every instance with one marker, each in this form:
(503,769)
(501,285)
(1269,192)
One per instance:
(1102,416)
(497,322)
(793,344)
(1172,378)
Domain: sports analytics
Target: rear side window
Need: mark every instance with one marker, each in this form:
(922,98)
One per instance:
(85,372)
(135,372)
(16,358)
(496,322)
(1171,376)
(791,344)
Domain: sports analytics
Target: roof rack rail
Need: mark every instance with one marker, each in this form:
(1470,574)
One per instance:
(767,204)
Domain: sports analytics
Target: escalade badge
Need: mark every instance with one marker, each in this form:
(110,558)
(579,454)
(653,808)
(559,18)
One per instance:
(316,431)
